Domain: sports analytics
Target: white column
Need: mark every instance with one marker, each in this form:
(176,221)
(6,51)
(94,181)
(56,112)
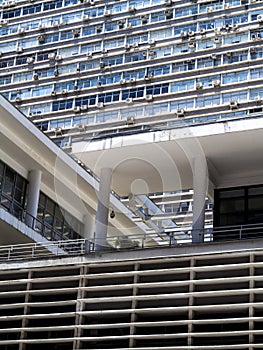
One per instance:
(200,183)
(102,215)
(34,179)
(88,230)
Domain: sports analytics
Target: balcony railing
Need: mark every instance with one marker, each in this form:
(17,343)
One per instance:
(43,228)
(125,243)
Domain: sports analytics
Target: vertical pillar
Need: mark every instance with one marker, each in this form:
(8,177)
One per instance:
(34,180)
(103,208)
(88,230)
(200,181)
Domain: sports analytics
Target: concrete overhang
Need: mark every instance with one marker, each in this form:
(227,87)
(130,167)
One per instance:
(24,147)
(162,160)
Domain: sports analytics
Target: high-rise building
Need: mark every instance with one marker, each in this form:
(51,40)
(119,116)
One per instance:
(159,105)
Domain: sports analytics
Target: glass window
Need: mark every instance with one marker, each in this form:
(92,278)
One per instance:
(133,93)
(28,10)
(110,79)
(186,11)
(61,105)
(5,79)
(134,57)
(155,109)
(157,89)
(235,96)
(42,90)
(11,13)
(40,108)
(160,70)
(19,77)
(234,77)
(109,97)
(110,44)
(134,74)
(158,16)
(208,101)
(52,5)
(182,104)
(182,85)
(106,117)
(87,100)
(9,62)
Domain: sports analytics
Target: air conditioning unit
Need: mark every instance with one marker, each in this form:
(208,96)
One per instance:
(4,4)
(56,72)
(98,29)
(64,92)
(152,53)
(148,77)
(133,80)
(168,14)
(18,99)
(191,45)
(209,9)
(259,36)
(217,40)
(127,47)
(260,18)
(129,100)
(29,60)
(105,51)
(253,37)
(21,30)
(89,55)
(233,104)
(191,33)
(51,56)
(123,81)
(151,42)
(75,32)
(252,50)
(58,131)
(168,2)
(131,9)
(130,120)
(199,86)
(183,34)
(19,49)
(41,26)
(180,112)
(202,31)
(228,54)
(226,6)
(53,93)
(144,53)
(77,109)
(100,105)
(258,99)
(58,57)
(85,18)
(55,24)
(235,26)
(149,97)
(3,22)
(11,3)
(144,19)
(81,127)
(216,83)
(214,56)
(35,76)
(107,13)
(84,108)
(41,39)
(135,45)
(102,65)
(120,24)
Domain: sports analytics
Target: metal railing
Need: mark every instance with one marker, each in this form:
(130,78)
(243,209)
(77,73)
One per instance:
(43,228)
(44,250)
(76,247)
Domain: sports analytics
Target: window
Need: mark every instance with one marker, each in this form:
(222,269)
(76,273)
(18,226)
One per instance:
(182,104)
(51,38)
(52,5)
(183,66)
(234,57)
(206,101)
(234,77)
(110,79)
(5,79)
(19,77)
(28,10)
(42,90)
(11,14)
(7,63)
(12,190)
(44,73)
(137,74)
(61,105)
(109,97)
(86,83)
(186,11)
(132,39)
(133,93)
(155,109)
(208,81)
(182,85)
(113,61)
(134,57)
(157,89)
(161,34)
(110,44)
(235,96)
(134,21)
(106,117)
(87,100)
(40,108)
(109,26)
(158,16)
(67,34)
(160,70)
(208,62)
(60,123)
(235,38)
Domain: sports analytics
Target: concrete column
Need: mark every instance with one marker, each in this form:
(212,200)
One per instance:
(88,230)
(200,183)
(34,179)
(102,215)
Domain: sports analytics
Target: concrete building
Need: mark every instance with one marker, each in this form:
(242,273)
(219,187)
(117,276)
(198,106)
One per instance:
(114,245)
